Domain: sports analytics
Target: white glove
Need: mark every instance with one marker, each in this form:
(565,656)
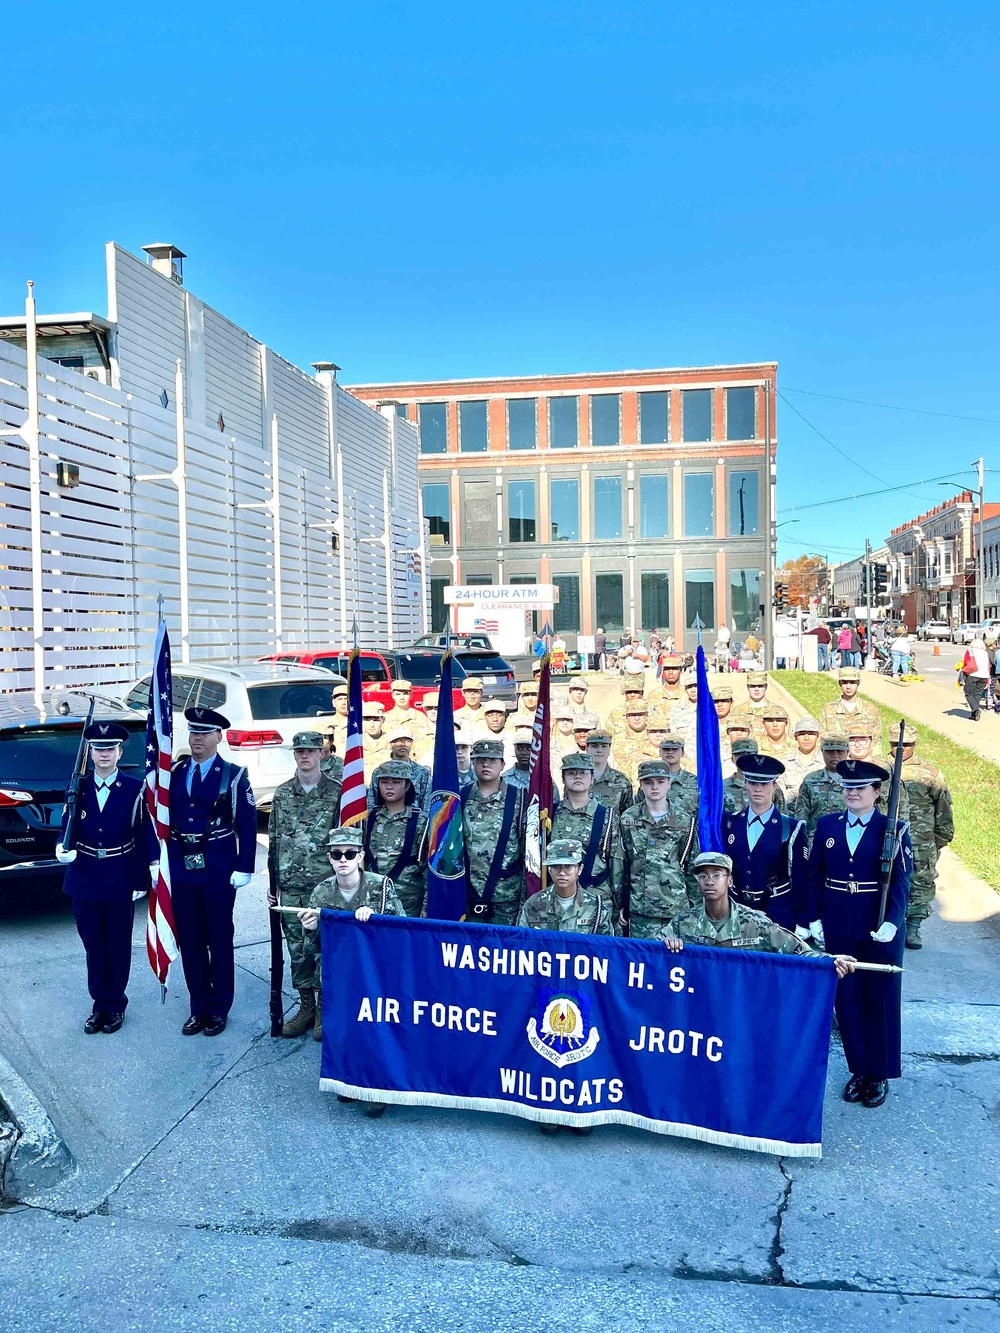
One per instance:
(139,893)
(802,932)
(816,931)
(64,858)
(885,934)
(239,879)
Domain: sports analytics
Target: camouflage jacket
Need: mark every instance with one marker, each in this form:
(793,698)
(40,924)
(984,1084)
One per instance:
(420,776)
(630,748)
(753,714)
(385,837)
(783,750)
(658,854)
(517,777)
(665,696)
(835,718)
(588,915)
(297,829)
(743,928)
(797,769)
(609,861)
(682,798)
(931,822)
(684,721)
(376,892)
(734,795)
(483,824)
(614,790)
(333,766)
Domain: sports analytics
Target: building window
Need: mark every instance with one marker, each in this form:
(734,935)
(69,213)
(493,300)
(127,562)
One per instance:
(564,495)
(696,413)
(654,506)
(479,580)
(521,423)
(743,504)
(437,511)
(607,509)
(699,598)
(654,418)
(609,601)
(563,423)
(566,613)
(433,428)
(605,419)
(401,410)
(741,414)
(439,612)
(521,511)
(655,600)
(744,599)
(479,518)
(699,504)
(528,578)
(473,435)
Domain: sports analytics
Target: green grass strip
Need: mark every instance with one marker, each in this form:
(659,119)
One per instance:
(973,780)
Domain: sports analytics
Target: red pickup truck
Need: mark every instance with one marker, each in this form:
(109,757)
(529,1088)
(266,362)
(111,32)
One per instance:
(377,674)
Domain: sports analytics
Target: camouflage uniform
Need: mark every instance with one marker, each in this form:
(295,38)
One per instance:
(734,795)
(743,928)
(386,836)
(609,862)
(657,855)
(931,828)
(838,715)
(589,914)
(297,829)
(683,795)
(822,793)
(376,892)
(333,767)
(483,824)
(782,749)
(753,714)
(517,777)
(614,790)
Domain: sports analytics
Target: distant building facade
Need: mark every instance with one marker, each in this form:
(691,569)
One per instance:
(932,574)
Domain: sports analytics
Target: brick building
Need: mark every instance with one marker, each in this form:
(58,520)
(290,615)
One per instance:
(932,562)
(640,494)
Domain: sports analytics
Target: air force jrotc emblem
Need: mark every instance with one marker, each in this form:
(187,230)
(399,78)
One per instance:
(560,1031)
(103,728)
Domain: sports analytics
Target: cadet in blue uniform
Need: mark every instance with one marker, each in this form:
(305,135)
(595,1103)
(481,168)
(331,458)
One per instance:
(844,901)
(107,865)
(768,849)
(213,844)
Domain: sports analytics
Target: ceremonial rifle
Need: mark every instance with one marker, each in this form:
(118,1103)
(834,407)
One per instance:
(73,790)
(277,952)
(889,841)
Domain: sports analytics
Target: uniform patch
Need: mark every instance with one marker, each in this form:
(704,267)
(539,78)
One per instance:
(830,842)
(561,1031)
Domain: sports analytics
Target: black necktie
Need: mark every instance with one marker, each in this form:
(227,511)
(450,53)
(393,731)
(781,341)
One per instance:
(196,783)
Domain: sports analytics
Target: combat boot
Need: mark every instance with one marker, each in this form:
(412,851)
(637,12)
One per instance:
(302,1020)
(318,1025)
(913,940)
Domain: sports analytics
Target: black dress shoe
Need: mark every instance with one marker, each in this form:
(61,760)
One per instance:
(374,1109)
(549,1130)
(113,1021)
(94,1023)
(213,1026)
(583,1132)
(855,1088)
(876,1092)
(194,1025)
(342,1098)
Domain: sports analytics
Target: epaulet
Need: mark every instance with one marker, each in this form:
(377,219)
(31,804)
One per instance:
(178,762)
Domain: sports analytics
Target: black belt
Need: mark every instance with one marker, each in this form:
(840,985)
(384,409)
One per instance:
(853,885)
(193,839)
(105,853)
(778,891)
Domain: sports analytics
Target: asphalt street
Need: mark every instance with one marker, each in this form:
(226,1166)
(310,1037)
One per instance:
(216,1186)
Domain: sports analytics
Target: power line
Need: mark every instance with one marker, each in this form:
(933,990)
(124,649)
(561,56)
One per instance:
(893,407)
(866,495)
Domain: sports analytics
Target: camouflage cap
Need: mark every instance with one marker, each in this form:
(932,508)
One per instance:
(484,749)
(673,660)
(805,724)
(848,673)
(721,691)
(689,678)
(345,837)
(373,709)
(738,723)
(859,729)
(599,737)
(756,677)
(471,683)
(523,735)
(748,746)
(562,713)
(494,706)
(577,761)
(563,852)
(712,861)
(394,768)
(633,685)
(528,687)
(653,768)
(636,708)
(909,735)
(404,733)
(307,740)
(340,692)
(463,738)
(775,712)
(401,686)
(672,741)
(586,721)
(657,723)
(578,683)
(835,741)
(430,699)
(536,666)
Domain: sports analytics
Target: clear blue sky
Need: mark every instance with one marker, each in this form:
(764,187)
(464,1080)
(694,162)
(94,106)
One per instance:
(434,190)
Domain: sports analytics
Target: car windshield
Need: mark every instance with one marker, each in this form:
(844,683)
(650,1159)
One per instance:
(372,670)
(473,664)
(300,698)
(419,668)
(31,758)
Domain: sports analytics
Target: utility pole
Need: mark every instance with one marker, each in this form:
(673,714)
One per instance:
(978,550)
(868,582)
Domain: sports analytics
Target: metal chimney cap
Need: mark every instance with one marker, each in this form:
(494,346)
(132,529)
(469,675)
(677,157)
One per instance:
(322,367)
(163,250)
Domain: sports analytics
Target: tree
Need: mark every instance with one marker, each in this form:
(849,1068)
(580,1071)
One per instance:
(805,576)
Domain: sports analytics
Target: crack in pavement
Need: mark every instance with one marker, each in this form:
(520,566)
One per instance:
(777,1242)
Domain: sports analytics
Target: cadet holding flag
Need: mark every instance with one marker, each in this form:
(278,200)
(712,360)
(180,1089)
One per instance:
(493,814)
(446,866)
(768,848)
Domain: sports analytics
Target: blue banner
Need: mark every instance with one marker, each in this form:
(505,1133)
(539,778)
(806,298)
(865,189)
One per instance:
(723,1045)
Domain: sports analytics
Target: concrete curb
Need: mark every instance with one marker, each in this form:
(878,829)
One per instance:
(39,1158)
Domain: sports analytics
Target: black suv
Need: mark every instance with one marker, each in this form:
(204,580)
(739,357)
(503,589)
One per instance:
(422,666)
(37,751)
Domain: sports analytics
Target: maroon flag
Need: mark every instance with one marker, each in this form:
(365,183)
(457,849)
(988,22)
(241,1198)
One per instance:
(541,792)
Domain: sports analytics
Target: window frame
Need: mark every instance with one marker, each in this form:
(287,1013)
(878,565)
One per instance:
(563,481)
(522,482)
(564,398)
(464,406)
(523,448)
(613,444)
(690,475)
(688,439)
(616,478)
(421,408)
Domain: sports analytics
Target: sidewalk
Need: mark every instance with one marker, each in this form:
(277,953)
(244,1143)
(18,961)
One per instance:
(939,707)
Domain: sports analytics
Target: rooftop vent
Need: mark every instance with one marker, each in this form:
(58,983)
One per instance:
(167,260)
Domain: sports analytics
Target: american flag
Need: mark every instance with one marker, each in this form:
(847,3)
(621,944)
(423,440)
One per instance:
(541,793)
(486,626)
(161,946)
(353,795)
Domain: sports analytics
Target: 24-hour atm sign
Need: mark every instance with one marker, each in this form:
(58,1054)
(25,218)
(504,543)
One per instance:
(527,596)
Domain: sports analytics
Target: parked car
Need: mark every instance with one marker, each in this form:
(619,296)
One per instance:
(422,666)
(377,674)
(934,629)
(966,632)
(266,704)
(38,746)
(456,641)
(990,628)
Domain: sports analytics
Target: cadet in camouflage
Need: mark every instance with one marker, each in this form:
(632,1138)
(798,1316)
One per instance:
(582,817)
(753,706)
(633,690)
(670,689)
(375,744)
(806,758)
(517,775)
(682,798)
(494,814)
(659,845)
(684,713)
(734,791)
(395,836)
(337,726)
(776,742)
(628,747)
(565,904)
(611,787)
(837,716)
(822,792)
(931,828)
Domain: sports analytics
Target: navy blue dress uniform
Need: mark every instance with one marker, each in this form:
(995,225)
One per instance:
(844,895)
(114,845)
(770,861)
(213,836)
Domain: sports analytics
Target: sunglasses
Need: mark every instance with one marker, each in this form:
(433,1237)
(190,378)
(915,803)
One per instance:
(344,854)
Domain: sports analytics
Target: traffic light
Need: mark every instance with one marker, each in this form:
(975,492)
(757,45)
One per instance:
(864,583)
(881,583)
(781,597)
